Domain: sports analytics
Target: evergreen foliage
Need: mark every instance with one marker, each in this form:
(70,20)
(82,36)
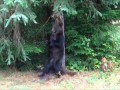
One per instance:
(89,30)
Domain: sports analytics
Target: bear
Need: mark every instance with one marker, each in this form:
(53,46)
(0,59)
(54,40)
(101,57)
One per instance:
(56,47)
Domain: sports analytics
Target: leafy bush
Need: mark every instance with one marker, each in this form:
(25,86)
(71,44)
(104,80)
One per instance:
(90,40)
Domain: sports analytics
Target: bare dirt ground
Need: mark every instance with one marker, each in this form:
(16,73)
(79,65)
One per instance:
(94,80)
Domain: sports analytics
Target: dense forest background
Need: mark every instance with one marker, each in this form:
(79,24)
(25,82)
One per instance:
(92,31)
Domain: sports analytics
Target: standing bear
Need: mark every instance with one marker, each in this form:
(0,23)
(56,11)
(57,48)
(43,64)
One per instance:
(56,46)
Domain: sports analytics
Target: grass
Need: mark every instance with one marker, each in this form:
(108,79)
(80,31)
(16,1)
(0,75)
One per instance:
(13,80)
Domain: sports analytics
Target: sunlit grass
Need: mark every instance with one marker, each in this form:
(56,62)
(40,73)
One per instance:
(85,80)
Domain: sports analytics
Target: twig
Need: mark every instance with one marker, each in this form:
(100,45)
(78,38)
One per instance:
(46,21)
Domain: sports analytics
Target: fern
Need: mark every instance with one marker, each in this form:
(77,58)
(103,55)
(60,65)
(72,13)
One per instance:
(5,48)
(110,2)
(66,5)
(17,17)
(23,3)
(9,2)
(10,57)
(32,49)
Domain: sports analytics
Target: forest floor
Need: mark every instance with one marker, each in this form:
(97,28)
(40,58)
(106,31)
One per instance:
(94,80)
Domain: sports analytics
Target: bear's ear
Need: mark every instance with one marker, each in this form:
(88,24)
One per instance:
(59,8)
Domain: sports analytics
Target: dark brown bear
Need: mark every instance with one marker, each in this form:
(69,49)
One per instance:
(56,46)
